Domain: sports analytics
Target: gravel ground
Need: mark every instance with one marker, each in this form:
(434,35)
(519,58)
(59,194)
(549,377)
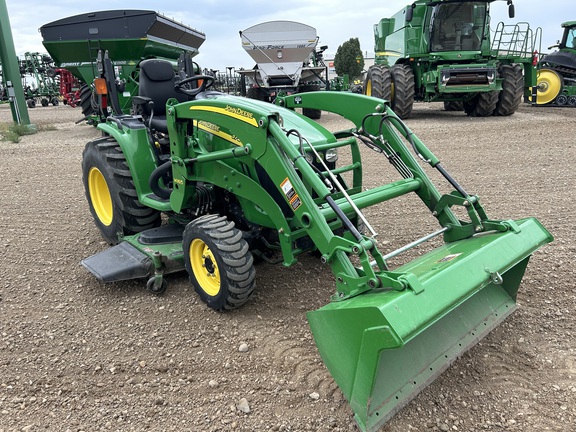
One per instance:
(77,355)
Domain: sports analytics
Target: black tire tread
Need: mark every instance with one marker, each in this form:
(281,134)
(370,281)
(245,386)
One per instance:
(379,76)
(86,100)
(403,98)
(132,217)
(512,90)
(453,106)
(482,105)
(256,93)
(238,271)
(311,113)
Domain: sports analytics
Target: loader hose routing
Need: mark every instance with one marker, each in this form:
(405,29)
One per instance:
(409,135)
(157,174)
(334,180)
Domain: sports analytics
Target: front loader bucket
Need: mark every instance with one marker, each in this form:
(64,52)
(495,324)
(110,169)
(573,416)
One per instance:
(384,346)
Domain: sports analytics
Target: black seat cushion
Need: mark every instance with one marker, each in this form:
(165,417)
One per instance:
(157,79)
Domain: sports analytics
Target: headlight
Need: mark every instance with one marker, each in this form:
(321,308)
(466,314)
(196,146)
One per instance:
(331,155)
(309,157)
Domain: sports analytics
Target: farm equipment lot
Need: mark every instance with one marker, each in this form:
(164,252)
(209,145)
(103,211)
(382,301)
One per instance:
(78,355)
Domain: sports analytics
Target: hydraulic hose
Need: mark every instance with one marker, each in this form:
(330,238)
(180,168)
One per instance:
(154,182)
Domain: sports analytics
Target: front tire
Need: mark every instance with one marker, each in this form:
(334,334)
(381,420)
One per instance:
(378,82)
(402,90)
(512,91)
(218,261)
(111,192)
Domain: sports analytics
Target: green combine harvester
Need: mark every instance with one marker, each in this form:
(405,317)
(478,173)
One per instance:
(203,182)
(444,51)
(557,72)
(77,43)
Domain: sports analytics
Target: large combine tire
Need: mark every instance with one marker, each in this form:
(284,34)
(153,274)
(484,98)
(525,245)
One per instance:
(482,105)
(311,113)
(453,106)
(86,100)
(512,91)
(378,82)
(111,193)
(402,90)
(218,262)
(257,93)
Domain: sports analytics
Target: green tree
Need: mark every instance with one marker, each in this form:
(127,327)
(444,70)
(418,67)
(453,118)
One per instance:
(349,59)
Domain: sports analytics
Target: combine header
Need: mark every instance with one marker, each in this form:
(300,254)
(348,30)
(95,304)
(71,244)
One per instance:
(233,178)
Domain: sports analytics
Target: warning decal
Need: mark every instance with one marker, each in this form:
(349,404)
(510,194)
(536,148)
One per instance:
(290,194)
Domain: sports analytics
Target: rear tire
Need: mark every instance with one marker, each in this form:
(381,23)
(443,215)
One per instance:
(512,91)
(482,105)
(402,90)
(378,82)
(218,262)
(111,193)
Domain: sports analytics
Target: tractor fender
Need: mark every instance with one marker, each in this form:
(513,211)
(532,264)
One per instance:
(132,137)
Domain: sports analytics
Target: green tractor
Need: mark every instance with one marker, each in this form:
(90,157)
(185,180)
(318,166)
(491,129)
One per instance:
(210,183)
(443,51)
(556,84)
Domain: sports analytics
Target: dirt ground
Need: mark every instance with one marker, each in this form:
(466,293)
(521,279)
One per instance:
(76,355)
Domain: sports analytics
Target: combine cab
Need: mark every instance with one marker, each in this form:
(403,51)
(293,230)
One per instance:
(128,36)
(557,72)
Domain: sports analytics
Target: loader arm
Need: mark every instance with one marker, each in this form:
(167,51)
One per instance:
(387,332)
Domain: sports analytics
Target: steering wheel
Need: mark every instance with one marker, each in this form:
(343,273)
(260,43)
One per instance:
(207,82)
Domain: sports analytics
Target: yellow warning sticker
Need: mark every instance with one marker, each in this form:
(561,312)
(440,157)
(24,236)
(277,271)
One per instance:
(290,194)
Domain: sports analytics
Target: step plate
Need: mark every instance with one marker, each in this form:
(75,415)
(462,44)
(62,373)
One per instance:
(120,262)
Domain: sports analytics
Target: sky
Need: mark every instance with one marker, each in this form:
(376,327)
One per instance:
(336,21)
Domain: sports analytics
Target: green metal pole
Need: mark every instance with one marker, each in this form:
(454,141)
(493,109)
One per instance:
(11,70)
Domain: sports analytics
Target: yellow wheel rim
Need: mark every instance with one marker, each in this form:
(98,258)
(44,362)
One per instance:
(549,85)
(369,87)
(204,267)
(100,196)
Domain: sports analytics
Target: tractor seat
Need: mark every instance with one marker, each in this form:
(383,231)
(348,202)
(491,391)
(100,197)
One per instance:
(156,84)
